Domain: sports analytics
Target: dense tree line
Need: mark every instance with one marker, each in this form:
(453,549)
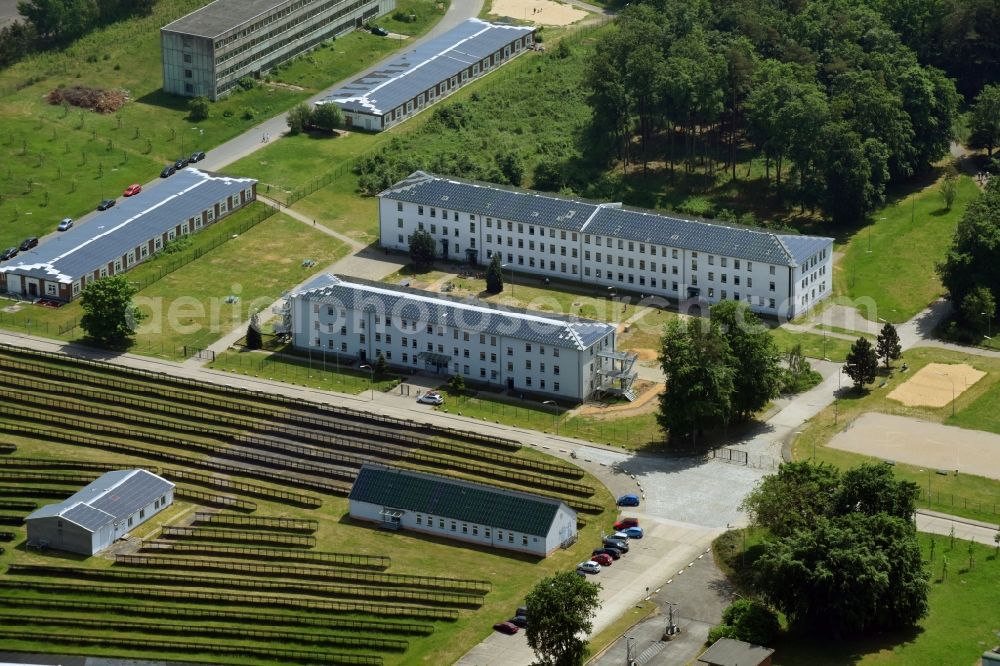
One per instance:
(50,23)
(828,92)
(842,555)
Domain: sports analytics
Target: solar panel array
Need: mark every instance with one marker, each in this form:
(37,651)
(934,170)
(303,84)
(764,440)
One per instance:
(425,66)
(611,220)
(425,306)
(455,499)
(131,223)
(87,517)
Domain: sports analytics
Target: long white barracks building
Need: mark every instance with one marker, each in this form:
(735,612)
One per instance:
(607,244)
(531,352)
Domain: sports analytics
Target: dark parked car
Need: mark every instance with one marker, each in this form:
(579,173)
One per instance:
(616,543)
(28,243)
(168,171)
(519,621)
(181,163)
(106,204)
(196,157)
(380,32)
(506,628)
(613,552)
(9,253)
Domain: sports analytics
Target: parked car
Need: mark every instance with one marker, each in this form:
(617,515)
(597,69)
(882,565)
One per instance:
(614,553)
(589,567)
(431,398)
(625,523)
(634,532)
(197,156)
(28,243)
(379,32)
(168,171)
(65,224)
(132,190)
(522,611)
(181,163)
(628,500)
(506,628)
(603,559)
(617,544)
(519,621)
(9,253)
(106,204)
(621,536)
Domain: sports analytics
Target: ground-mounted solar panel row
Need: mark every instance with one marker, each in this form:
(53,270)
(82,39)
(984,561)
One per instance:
(241,578)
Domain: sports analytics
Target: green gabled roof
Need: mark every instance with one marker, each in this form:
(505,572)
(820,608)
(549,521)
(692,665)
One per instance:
(455,499)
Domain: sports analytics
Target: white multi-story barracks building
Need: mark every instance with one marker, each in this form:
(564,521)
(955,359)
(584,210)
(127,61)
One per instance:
(568,358)
(607,244)
(209,50)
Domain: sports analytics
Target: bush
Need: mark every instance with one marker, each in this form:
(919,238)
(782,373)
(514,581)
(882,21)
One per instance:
(747,620)
(246,83)
(299,118)
(249,113)
(456,384)
(198,108)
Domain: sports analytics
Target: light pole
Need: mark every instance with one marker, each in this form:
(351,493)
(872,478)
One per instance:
(989,326)
(671,629)
(371,378)
(952,391)
(629,647)
(511,267)
(555,420)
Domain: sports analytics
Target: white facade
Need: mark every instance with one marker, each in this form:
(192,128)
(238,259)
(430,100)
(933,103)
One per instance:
(607,245)
(514,349)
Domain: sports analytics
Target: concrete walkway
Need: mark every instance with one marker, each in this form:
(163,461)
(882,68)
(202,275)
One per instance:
(933,522)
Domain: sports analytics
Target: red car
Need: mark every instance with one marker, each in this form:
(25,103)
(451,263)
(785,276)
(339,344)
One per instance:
(506,628)
(132,190)
(626,523)
(603,559)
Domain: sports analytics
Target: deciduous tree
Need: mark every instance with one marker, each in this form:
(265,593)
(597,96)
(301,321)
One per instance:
(422,250)
(109,316)
(757,372)
(794,498)
(984,126)
(326,117)
(561,609)
(972,259)
(299,117)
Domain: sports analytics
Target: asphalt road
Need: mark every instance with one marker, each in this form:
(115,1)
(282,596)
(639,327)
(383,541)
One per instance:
(252,139)
(8,12)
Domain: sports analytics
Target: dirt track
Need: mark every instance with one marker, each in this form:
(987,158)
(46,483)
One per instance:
(918,442)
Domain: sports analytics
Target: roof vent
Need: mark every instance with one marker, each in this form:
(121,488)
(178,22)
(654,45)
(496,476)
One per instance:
(444,198)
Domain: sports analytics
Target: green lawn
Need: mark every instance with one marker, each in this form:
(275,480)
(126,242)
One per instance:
(814,345)
(322,371)
(896,280)
(959,627)
(846,331)
(964,494)
(339,207)
(58,162)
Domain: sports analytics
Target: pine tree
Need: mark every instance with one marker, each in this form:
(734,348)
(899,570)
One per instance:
(862,363)
(888,346)
(381,367)
(494,276)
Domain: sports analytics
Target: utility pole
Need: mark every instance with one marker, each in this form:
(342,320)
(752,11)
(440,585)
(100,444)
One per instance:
(629,651)
(671,630)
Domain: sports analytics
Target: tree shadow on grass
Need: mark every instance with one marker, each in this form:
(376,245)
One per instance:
(801,647)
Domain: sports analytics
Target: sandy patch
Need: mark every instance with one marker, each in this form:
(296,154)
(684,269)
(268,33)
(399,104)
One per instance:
(936,384)
(643,403)
(540,12)
(924,443)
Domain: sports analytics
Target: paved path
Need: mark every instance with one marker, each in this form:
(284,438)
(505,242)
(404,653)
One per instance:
(965,529)
(251,140)
(8,12)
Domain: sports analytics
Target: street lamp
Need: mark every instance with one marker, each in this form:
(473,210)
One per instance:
(555,421)
(671,629)
(511,267)
(371,378)
(989,326)
(952,391)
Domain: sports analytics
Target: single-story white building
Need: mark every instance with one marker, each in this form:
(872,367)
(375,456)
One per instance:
(461,510)
(105,510)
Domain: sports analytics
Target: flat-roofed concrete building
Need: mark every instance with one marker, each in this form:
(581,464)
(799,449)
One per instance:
(610,245)
(206,52)
(117,240)
(105,510)
(420,77)
(531,352)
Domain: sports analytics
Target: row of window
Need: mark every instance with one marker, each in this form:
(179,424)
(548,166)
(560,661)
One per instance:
(277,16)
(465,528)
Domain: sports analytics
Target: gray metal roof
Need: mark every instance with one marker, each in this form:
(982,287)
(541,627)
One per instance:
(133,221)
(109,498)
(605,219)
(220,16)
(469,314)
(455,499)
(425,66)
(730,652)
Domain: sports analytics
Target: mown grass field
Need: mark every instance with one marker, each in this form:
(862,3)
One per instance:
(964,494)
(58,162)
(814,345)
(411,554)
(897,279)
(959,627)
(321,371)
